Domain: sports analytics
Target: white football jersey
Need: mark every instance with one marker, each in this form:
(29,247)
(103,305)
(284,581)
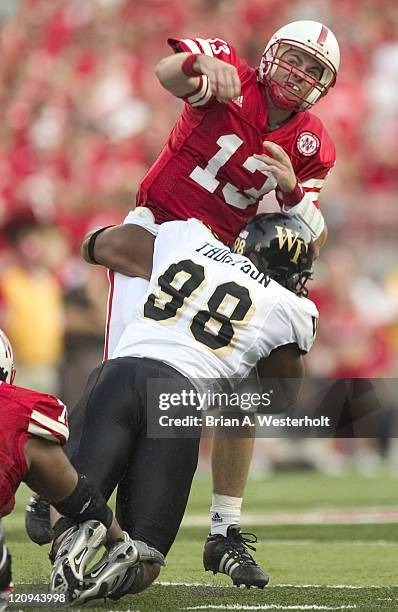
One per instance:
(210,313)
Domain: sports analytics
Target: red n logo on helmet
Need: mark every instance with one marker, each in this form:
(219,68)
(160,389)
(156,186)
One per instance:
(322,36)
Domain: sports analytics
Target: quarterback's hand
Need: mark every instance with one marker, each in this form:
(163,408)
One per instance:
(223,78)
(278,162)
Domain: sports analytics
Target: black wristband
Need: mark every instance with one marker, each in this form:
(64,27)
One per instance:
(85,503)
(91,243)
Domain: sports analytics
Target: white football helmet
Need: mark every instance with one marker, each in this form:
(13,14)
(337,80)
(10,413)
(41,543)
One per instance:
(315,39)
(7,371)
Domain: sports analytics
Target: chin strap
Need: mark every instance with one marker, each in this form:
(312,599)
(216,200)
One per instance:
(279,98)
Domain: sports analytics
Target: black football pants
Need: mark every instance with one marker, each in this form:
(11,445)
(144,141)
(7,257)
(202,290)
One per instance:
(108,443)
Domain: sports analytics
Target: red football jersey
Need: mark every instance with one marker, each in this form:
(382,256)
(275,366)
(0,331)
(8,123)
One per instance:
(24,413)
(207,169)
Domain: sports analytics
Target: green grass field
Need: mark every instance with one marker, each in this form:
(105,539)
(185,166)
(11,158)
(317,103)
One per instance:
(344,566)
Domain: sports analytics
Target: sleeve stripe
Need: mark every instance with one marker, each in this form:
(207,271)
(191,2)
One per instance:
(194,92)
(36,430)
(197,95)
(205,46)
(45,421)
(191,44)
(313,196)
(312,189)
(313,183)
(203,95)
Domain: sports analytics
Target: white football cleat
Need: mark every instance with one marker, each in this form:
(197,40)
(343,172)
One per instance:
(78,547)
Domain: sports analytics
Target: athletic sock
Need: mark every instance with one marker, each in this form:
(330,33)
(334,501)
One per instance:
(224,511)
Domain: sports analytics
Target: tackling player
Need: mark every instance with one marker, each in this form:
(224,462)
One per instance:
(208,313)
(242,134)
(33,428)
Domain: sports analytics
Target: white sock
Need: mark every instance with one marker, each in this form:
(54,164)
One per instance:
(224,511)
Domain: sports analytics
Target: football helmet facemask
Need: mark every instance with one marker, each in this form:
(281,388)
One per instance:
(7,371)
(316,40)
(279,246)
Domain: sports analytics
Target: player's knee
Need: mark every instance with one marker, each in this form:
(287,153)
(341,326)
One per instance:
(143,575)
(151,572)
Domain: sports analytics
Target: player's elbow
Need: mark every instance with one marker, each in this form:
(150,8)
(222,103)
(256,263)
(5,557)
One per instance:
(171,77)
(161,71)
(84,249)
(319,242)
(324,236)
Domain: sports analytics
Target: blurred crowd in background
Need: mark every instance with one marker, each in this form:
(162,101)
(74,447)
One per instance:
(83,117)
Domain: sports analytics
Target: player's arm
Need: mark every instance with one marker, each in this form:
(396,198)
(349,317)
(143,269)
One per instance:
(48,470)
(284,362)
(185,74)
(201,71)
(52,476)
(127,249)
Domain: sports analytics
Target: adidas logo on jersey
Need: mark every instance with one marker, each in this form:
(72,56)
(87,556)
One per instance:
(238,101)
(216,518)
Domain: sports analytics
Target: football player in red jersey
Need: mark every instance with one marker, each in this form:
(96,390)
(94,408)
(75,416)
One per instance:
(212,166)
(33,428)
(242,133)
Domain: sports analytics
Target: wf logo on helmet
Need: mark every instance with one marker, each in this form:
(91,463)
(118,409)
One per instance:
(292,240)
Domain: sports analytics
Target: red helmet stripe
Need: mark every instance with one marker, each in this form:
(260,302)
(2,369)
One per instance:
(322,36)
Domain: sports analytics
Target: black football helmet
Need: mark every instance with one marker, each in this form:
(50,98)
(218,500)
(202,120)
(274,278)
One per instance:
(279,246)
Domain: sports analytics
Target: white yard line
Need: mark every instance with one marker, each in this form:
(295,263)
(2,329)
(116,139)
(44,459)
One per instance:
(165,583)
(268,607)
(278,586)
(278,542)
(317,517)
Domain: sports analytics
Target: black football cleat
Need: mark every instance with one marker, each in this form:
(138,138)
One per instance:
(229,555)
(37,520)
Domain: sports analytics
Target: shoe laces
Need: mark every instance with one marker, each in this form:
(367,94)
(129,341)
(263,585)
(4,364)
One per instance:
(240,543)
